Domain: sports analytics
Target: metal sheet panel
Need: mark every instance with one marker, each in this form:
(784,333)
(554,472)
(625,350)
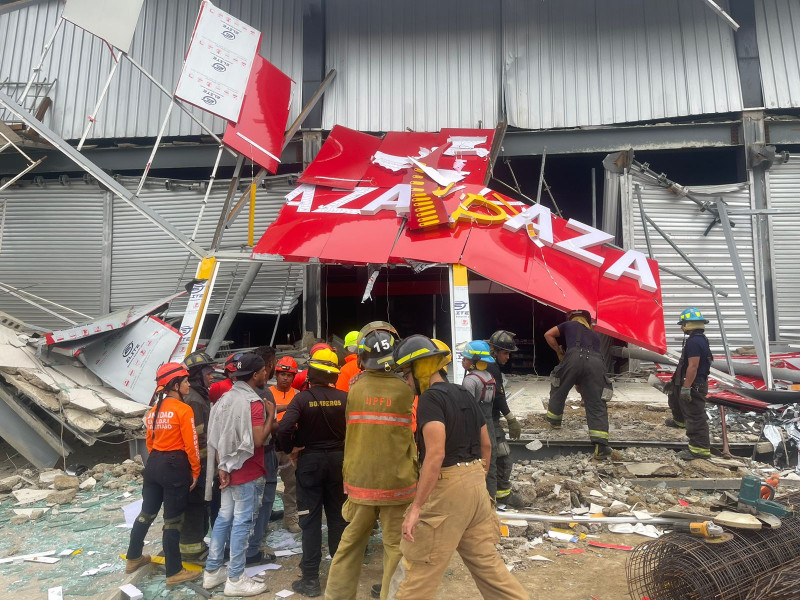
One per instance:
(682,220)
(423,65)
(134,107)
(778,35)
(147,265)
(783,183)
(52,246)
(574,63)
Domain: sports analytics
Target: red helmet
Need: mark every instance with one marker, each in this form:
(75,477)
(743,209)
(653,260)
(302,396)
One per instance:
(320,346)
(286,365)
(169,371)
(230,362)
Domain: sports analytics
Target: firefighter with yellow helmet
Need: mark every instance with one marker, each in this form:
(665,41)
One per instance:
(379,485)
(312,431)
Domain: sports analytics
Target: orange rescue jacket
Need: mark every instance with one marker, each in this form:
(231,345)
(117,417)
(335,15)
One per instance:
(174,430)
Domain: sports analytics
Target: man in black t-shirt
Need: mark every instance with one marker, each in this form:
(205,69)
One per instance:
(452,509)
(687,396)
(581,365)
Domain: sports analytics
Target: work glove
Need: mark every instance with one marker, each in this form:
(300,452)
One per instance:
(514,427)
(686,393)
(560,354)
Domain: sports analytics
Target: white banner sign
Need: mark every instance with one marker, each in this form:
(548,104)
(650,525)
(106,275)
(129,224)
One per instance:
(218,63)
(128,359)
(460,319)
(112,20)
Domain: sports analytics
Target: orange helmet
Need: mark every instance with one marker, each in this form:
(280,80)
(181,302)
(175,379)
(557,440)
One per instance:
(168,372)
(286,365)
(320,346)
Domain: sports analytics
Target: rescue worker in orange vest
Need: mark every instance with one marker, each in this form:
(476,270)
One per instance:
(350,367)
(451,510)
(380,484)
(283,392)
(171,472)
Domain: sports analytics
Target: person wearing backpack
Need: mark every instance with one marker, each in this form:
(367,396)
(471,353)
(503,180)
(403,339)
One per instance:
(481,385)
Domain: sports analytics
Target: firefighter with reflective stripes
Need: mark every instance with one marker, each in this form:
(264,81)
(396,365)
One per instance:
(380,462)
(581,365)
(476,358)
(687,394)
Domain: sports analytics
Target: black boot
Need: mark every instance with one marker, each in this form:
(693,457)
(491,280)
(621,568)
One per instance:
(375,590)
(307,587)
(601,452)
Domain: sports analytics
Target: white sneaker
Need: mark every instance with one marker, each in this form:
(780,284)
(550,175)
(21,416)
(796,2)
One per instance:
(212,579)
(244,587)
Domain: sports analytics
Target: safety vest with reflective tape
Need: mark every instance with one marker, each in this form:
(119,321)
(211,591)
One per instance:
(380,457)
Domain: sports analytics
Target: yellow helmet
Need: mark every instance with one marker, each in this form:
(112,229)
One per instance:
(351,341)
(324,360)
(442,346)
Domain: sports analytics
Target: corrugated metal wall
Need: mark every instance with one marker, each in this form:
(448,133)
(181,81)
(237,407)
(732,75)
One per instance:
(134,107)
(778,33)
(682,220)
(418,64)
(783,184)
(52,246)
(147,264)
(571,63)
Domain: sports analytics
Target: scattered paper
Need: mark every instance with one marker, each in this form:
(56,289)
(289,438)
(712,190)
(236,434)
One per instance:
(131,591)
(131,511)
(595,508)
(642,515)
(539,557)
(96,570)
(55,593)
(253,571)
(49,560)
(466,146)
(596,494)
(93,552)
(566,537)
(23,557)
(534,445)
(66,552)
(557,489)
(534,542)
(280,553)
(391,162)
(640,528)
(284,594)
(773,434)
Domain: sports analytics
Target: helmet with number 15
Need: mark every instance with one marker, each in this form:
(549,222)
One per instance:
(376,350)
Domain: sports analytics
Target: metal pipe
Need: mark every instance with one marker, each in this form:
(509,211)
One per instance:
(38,67)
(30,167)
(697,270)
(744,292)
(594,199)
(155,147)
(102,97)
(584,519)
(742,368)
(208,193)
(39,306)
(17,148)
(280,308)
(638,191)
(541,177)
(226,319)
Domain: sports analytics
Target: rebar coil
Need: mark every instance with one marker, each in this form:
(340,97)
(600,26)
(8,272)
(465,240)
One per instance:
(680,566)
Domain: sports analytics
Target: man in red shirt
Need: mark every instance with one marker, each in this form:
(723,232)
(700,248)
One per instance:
(240,452)
(218,388)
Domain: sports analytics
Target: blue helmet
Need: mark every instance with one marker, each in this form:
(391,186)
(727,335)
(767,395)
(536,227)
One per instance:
(692,314)
(478,350)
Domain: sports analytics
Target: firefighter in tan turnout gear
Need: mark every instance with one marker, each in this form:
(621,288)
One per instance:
(451,510)
(380,462)
(581,365)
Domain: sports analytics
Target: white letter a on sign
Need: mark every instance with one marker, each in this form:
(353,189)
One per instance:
(633,264)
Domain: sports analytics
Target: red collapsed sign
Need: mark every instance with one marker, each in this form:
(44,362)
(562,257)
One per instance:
(420,197)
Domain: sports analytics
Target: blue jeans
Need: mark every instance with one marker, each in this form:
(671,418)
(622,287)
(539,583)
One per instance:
(265,508)
(235,520)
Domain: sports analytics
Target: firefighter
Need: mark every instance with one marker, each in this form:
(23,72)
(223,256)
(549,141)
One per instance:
(378,416)
(479,382)
(578,349)
(502,345)
(687,394)
(313,430)
(451,510)
(172,470)
(196,522)
(350,368)
(283,392)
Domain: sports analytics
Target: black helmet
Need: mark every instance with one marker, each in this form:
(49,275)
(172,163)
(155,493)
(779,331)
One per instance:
(198,359)
(413,348)
(579,312)
(503,340)
(375,326)
(376,350)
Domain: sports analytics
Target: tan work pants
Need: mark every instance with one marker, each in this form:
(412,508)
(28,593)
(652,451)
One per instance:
(346,566)
(458,516)
(289,487)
